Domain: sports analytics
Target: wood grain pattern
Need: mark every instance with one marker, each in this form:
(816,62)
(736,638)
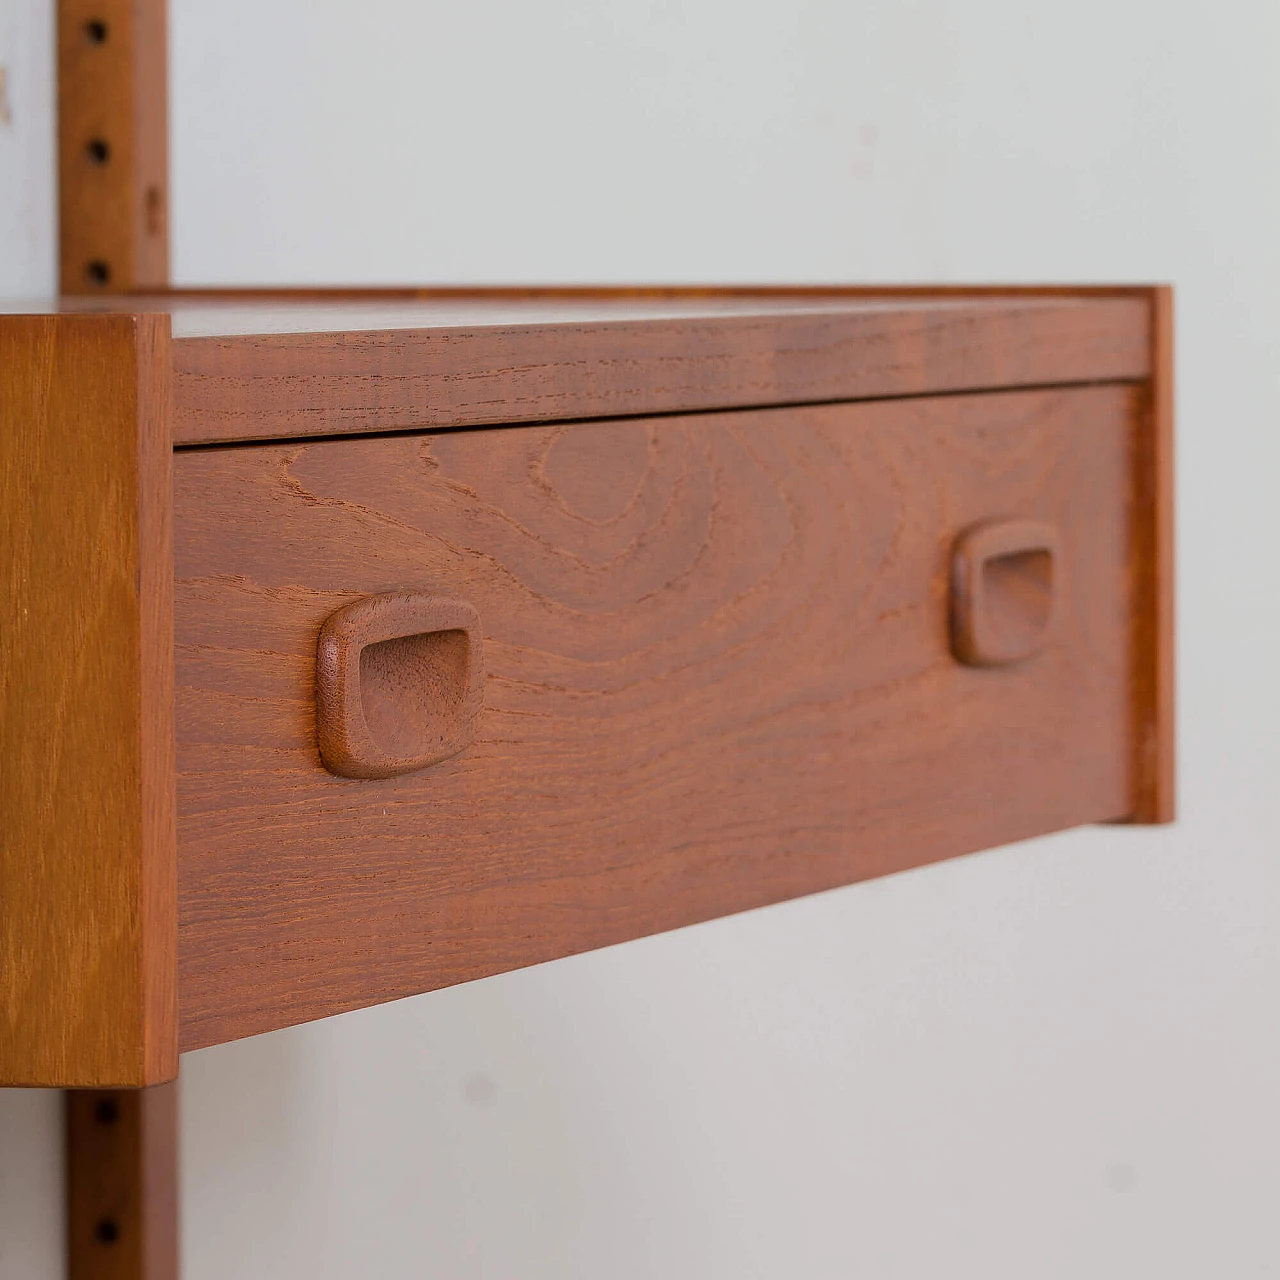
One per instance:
(1154,571)
(519,363)
(719,675)
(112,145)
(87,840)
(122,1183)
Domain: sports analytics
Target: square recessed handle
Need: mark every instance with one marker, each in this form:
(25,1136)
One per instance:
(399,683)
(1005,588)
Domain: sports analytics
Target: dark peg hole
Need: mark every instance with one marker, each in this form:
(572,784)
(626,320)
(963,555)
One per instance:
(107,1111)
(95,31)
(154,205)
(98,150)
(98,272)
(107,1231)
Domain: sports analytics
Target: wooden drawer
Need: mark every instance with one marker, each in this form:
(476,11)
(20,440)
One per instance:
(718,555)
(719,674)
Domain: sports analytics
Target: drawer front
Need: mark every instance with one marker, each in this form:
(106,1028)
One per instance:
(719,672)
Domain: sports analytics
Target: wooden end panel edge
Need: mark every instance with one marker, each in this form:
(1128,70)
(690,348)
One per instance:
(158,802)
(113,146)
(122,1183)
(1155,675)
(302,294)
(88,913)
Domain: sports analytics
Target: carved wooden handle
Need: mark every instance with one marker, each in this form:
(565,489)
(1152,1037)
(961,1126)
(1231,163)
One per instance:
(1005,584)
(399,682)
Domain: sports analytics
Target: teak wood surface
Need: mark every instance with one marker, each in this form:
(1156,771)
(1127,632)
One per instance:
(122,1183)
(87,846)
(719,675)
(112,145)
(448,364)
(659,537)
(258,367)
(1155,675)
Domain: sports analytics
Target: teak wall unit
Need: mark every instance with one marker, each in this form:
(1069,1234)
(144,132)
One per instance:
(681,603)
(357,643)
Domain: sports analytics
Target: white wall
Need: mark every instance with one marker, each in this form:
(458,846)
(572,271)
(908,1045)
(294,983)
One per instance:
(30,1133)
(28,188)
(1056,1060)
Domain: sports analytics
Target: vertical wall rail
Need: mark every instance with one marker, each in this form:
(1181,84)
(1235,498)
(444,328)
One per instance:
(113,204)
(113,145)
(122,1178)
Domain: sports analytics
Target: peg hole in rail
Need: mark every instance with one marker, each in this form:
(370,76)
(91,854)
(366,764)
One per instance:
(153,203)
(98,150)
(96,31)
(107,1231)
(97,272)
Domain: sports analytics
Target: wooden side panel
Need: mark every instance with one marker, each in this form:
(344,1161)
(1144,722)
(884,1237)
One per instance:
(87,844)
(122,1183)
(1155,681)
(718,675)
(257,385)
(113,145)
